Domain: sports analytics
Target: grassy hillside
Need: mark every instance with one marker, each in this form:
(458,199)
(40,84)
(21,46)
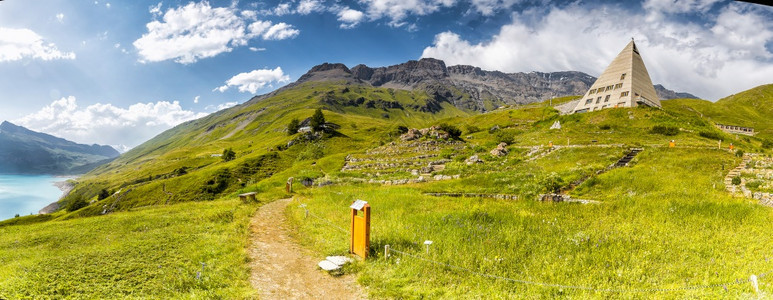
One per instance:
(664,221)
(751,108)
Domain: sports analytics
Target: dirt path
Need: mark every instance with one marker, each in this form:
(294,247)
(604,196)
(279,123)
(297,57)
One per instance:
(281,269)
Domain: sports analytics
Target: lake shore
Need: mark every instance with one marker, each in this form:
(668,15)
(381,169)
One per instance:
(66,187)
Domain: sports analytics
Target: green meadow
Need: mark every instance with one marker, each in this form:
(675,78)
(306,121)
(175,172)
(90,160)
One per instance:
(169,225)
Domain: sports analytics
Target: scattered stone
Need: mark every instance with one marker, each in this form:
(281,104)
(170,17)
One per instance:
(412,134)
(500,150)
(473,160)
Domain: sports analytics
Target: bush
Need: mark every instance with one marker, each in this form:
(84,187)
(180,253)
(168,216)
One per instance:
(229,155)
(317,120)
(552,183)
(77,203)
(754,185)
(665,130)
(293,126)
(736,180)
(103,194)
(312,151)
(401,129)
(503,136)
(739,153)
(710,135)
(218,183)
(453,132)
(767,144)
(472,129)
(605,127)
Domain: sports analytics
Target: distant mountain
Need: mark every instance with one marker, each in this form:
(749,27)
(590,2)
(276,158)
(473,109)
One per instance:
(467,87)
(23,151)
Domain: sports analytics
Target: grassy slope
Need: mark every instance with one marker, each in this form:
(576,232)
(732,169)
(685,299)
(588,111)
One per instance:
(751,108)
(521,239)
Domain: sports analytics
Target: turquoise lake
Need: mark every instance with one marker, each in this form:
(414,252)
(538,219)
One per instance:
(24,195)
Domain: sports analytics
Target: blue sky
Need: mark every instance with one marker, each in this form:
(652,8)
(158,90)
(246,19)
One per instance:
(120,72)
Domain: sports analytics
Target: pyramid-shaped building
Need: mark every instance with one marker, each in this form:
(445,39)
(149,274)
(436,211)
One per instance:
(625,83)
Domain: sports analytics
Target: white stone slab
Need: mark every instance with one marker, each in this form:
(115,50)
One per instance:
(328,265)
(339,260)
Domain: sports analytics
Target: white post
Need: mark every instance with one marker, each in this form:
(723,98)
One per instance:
(755,285)
(386,251)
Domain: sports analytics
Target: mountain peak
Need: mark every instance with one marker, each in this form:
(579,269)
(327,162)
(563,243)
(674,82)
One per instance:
(327,71)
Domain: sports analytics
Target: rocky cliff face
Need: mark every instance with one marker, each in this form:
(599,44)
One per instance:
(465,86)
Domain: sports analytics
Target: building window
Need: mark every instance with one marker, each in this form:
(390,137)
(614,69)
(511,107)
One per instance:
(606,99)
(598,99)
(619,85)
(601,89)
(593,91)
(589,101)
(624,94)
(609,87)
(621,104)
(622,76)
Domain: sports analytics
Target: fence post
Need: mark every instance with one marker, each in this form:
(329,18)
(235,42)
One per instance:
(753,280)
(386,251)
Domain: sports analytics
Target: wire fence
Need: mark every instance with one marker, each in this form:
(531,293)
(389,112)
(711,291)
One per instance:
(753,279)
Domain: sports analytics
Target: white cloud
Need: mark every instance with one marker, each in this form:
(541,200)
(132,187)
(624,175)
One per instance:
(711,61)
(680,6)
(16,44)
(198,30)
(280,31)
(306,7)
(350,18)
(397,10)
(107,5)
(196,99)
(60,17)
(254,80)
(256,49)
(280,10)
(105,123)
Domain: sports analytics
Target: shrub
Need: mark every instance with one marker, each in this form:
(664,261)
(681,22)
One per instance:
(312,151)
(665,130)
(736,180)
(77,203)
(739,153)
(453,132)
(710,135)
(16,215)
(218,183)
(767,144)
(552,183)
(504,136)
(293,126)
(401,129)
(472,129)
(181,171)
(103,194)
(605,127)
(229,155)
(317,120)
(754,185)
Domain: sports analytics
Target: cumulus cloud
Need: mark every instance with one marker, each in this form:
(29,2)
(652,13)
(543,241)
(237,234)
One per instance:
(221,106)
(711,61)
(105,123)
(350,18)
(280,10)
(198,30)
(16,44)
(60,17)
(254,80)
(196,99)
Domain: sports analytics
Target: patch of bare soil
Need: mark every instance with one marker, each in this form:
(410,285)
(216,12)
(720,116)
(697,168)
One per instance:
(281,269)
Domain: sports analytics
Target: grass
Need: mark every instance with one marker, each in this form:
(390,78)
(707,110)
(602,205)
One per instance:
(651,231)
(664,221)
(139,254)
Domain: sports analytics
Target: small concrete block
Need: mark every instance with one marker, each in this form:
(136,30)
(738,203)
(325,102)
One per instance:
(328,265)
(339,260)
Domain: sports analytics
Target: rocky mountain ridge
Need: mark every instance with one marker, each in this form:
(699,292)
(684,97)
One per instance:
(467,87)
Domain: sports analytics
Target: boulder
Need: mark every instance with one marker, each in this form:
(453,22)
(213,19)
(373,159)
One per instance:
(412,134)
(500,150)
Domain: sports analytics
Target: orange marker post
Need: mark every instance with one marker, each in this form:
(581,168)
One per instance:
(672,144)
(360,240)
(731,146)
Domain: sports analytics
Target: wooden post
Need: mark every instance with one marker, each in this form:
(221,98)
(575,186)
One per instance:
(289,185)
(360,229)
(386,251)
